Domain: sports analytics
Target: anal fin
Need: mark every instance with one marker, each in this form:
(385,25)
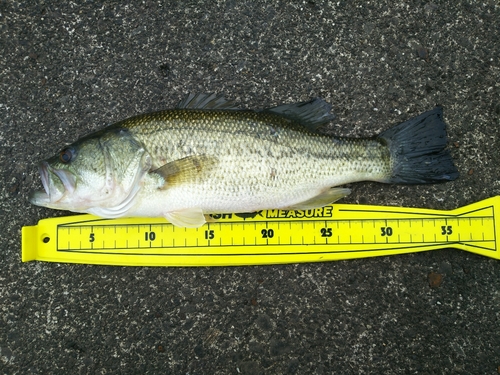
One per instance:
(323,199)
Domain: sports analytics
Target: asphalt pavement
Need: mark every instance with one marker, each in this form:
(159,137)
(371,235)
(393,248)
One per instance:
(68,68)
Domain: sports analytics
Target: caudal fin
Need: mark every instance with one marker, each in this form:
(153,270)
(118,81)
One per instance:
(418,150)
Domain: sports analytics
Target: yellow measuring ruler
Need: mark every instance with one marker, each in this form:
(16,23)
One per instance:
(334,232)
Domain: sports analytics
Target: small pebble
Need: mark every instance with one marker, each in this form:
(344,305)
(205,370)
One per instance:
(435,279)
(423,53)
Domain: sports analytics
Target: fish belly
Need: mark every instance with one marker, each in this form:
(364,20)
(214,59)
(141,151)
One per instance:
(258,183)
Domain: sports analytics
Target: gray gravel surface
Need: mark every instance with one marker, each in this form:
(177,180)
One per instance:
(67,68)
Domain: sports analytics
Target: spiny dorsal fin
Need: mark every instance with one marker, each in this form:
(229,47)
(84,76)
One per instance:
(206,101)
(311,114)
(186,170)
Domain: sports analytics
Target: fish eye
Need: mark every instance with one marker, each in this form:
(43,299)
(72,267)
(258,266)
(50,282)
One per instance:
(67,155)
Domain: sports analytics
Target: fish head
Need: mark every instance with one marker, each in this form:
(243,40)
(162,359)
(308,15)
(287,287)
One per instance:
(99,174)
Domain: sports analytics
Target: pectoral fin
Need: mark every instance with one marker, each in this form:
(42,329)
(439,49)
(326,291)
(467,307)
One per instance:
(323,199)
(185,170)
(188,218)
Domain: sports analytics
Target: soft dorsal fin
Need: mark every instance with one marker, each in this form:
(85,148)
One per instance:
(186,170)
(311,114)
(206,101)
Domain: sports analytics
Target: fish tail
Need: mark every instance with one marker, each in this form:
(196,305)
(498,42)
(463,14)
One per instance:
(418,150)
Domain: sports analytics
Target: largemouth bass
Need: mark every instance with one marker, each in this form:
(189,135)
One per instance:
(207,156)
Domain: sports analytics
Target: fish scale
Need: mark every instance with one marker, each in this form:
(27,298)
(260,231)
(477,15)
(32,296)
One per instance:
(240,138)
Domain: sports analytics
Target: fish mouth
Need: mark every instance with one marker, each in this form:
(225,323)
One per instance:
(52,179)
(43,169)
